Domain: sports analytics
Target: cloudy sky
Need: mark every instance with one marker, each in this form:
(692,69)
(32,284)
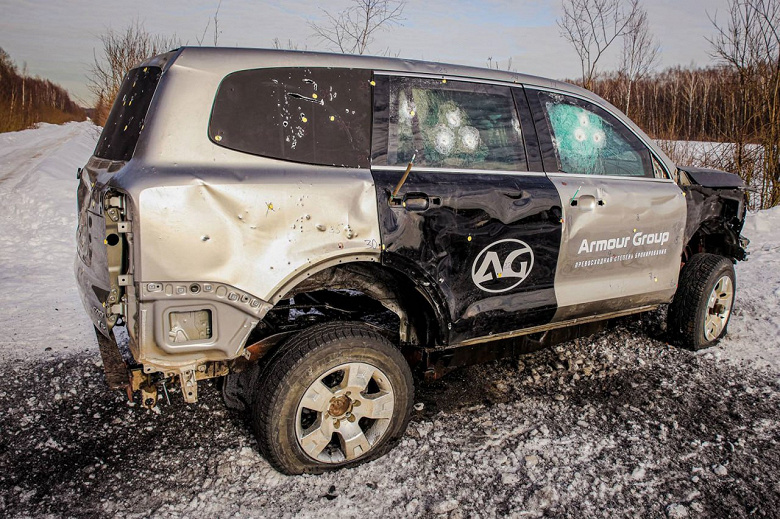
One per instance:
(56,39)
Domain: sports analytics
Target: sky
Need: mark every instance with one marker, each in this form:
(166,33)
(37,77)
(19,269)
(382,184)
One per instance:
(58,39)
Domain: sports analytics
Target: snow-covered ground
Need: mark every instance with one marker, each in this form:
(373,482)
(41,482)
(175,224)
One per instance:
(619,424)
(754,331)
(39,304)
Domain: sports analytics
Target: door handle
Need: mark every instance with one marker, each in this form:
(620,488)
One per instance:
(587,202)
(416,202)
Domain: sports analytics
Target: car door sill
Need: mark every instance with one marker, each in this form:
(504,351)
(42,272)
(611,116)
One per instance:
(552,326)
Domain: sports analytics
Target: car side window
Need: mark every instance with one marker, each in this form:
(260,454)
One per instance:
(302,114)
(590,141)
(446,124)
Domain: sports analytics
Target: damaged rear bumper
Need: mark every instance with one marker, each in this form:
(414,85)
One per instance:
(91,290)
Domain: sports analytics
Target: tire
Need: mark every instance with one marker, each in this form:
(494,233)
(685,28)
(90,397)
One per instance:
(336,395)
(700,312)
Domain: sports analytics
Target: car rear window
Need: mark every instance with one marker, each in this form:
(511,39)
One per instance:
(312,115)
(126,120)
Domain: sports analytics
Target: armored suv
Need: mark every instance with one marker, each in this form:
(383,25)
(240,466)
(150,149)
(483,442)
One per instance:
(314,228)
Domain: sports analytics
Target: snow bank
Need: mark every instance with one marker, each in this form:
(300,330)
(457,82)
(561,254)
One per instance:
(40,305)
(754,331)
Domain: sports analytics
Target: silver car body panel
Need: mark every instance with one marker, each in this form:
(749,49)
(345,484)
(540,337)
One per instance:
(620,244)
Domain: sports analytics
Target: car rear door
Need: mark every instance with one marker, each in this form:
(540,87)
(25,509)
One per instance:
(624,218)
(476,223)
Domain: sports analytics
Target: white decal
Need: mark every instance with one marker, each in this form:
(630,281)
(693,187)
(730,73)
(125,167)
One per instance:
(622,242)
(639,239)
(491,275)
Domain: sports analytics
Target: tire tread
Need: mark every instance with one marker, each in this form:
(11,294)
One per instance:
(692,292)
(291,354)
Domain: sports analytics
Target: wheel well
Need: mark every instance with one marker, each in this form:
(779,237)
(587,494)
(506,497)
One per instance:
(368,292)
(381,297)
(715,238)
(715,219)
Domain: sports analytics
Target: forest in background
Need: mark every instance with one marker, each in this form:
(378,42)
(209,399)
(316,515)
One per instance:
(26,100)
(711,104)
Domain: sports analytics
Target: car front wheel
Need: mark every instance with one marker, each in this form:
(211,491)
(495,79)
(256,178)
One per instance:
(701,309)
(337,395)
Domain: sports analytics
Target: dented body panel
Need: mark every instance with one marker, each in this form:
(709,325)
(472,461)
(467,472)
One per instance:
(255,236)
(444,246)
(716,208)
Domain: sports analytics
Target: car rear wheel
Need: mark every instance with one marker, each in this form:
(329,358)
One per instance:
(337,395)
(700,312)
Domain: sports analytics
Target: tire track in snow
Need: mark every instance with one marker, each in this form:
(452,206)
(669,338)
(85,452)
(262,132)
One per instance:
(19,162)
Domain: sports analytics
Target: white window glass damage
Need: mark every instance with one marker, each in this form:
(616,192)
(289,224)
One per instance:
(590,141)
(311,115)
(449,124)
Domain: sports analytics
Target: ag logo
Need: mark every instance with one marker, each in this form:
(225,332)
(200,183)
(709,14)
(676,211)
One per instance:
(490,274)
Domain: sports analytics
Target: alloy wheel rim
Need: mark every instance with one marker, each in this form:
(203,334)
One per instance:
(344,413)
(718,308)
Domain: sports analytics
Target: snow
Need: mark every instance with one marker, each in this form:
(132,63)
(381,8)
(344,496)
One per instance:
(617,424)
(754,330)
(38,296)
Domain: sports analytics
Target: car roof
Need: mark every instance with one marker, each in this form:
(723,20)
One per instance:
(241,58)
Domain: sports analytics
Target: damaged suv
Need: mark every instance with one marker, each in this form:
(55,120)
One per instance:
(314,228)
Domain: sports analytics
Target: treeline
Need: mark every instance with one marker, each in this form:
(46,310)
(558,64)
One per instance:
(25,101)
(719,104)
(692,104)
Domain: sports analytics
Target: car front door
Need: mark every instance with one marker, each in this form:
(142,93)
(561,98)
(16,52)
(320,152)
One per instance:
(624,219)
(477,222)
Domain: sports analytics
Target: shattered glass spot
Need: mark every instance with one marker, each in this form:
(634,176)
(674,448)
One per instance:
(454,118)
(593,143)
(444,141)
(469,137)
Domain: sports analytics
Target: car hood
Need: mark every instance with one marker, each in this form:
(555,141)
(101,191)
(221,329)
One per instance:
(713,178)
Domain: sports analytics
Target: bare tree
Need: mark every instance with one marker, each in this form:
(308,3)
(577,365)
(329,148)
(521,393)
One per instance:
(352,30)
(591,26)
(640,53)
(496,64)
(217,32)
(290,45)
(749,42)
(122,50)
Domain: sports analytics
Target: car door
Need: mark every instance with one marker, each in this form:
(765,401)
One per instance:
(624,218)
(476,223)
